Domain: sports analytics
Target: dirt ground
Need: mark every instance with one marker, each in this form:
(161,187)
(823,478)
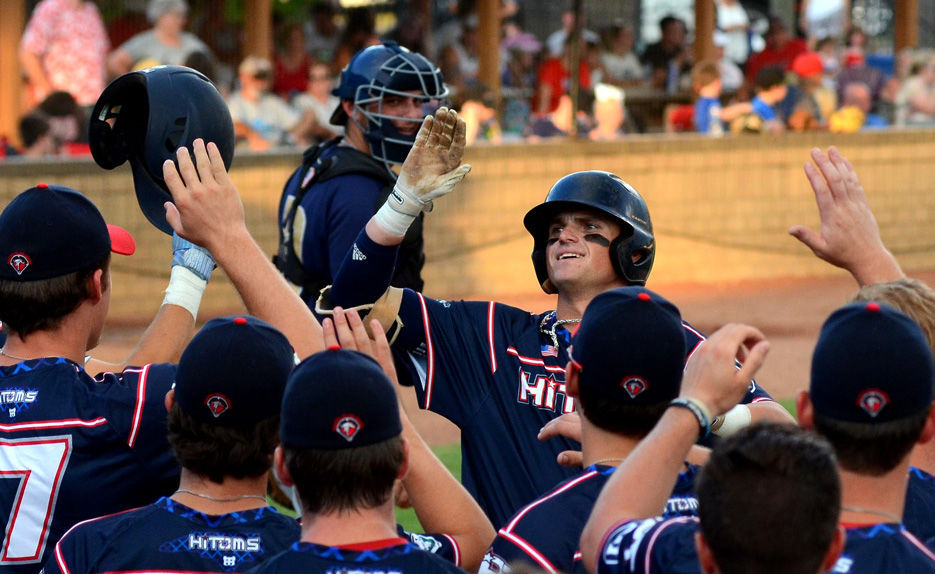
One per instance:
(790,313)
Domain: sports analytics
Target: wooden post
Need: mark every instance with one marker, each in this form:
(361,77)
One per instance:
(488,45)
(12,25)
(705,15)
(258,16)
(905,24)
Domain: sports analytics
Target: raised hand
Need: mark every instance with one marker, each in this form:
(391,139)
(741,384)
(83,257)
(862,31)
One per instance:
(849,236)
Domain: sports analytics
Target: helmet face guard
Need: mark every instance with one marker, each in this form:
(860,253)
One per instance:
(631,253)
(380,72)
(145,116)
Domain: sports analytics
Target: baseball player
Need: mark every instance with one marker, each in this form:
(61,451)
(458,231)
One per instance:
(93,446)
(385,92)
(223,430)
(623,380)
(342,448)
(497,371)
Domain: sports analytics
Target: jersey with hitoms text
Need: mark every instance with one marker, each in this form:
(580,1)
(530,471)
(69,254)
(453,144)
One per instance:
(74,448)
(498,373)
(171,537)
(883,547)
(546,533)
(394,556)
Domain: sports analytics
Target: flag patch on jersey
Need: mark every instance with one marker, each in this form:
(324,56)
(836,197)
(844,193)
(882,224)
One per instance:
(348,426)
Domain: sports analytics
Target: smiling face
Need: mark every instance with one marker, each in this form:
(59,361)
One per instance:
(578,250)
(407,108)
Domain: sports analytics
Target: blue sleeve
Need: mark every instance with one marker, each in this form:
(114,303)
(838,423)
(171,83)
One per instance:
(535,539)
(74,553)
(365,273)
(651,546)
(764,110)
(702,115)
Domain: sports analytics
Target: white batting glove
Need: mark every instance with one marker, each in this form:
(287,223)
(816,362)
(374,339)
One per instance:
(432,169)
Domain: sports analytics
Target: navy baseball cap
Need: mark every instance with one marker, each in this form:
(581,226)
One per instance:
(234,371)
(630,347)
(871,364)
(50,230)
(338,399)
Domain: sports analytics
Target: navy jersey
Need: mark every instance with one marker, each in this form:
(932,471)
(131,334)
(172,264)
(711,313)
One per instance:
(74,448)
(441,545)
(652,546)
(331,214)
(170,537)
(496,372)
(536,537)
(396,556)
(919,513)
(883,547)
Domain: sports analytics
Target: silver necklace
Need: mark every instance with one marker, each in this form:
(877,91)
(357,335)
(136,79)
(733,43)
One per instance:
(215,499)
(890,515)
(550,331)
(5,354)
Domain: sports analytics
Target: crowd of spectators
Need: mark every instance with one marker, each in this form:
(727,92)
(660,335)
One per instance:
(624,85)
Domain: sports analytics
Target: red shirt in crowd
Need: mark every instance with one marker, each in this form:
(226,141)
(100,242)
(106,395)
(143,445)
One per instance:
(554,73)
(772,57)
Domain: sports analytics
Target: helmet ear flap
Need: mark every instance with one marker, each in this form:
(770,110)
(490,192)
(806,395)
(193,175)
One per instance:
(118,122)
(542,272)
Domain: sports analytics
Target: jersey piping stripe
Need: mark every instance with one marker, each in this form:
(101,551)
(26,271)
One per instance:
(430,352)
(456,549)
(519,516)
(528,549)
(493,354)
(531,361)
(652,539)
(919,545)
(140,403)
(65,423)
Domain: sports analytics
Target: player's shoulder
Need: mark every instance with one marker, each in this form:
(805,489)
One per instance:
(570,497)
(664,544)
(105,531)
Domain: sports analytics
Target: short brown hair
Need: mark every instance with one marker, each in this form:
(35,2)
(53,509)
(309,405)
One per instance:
(216,451)
(330,481)
(30,306)
(705,72)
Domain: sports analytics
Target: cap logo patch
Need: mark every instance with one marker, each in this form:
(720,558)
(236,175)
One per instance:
(348,426)
(218,404)
(634,386)
(19,262)
(872,401)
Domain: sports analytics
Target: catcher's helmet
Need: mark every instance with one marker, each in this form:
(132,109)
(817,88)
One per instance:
(608,194)
(146,116)
(375,72)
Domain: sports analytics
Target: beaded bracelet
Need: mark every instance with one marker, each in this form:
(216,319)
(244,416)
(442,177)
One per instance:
(698,409)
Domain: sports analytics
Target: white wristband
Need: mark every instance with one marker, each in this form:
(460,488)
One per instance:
(398,212)
(185,289)
(732,421)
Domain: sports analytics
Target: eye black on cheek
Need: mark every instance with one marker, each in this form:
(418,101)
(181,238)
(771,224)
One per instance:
(599,239)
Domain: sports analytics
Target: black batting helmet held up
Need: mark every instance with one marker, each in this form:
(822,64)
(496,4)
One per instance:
(145,116)
(631,253)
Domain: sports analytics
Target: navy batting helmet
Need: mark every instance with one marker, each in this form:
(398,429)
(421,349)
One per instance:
(631,253)
(145,116)
(378,71)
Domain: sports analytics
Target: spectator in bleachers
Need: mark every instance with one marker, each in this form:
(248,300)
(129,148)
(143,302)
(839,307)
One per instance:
(856,39)
(359,32)
(322,32)
(609,113)
(915,104)
(622,66)
(781,50)
(36,135)
(827,49)
(554,80)
(63,48)
(319,100)
(519,81)
(904,67)
(478,109)
(770,90)
(262,119)
(821,19)
(68,122)
(814,102)
(856,70)
(668,58)
(557,39)
(733,21)
(854,114)
(731,74)
(291,63)
(166,42)
(709,116)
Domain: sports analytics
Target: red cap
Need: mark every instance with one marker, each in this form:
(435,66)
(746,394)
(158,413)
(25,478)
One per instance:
(808,65)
